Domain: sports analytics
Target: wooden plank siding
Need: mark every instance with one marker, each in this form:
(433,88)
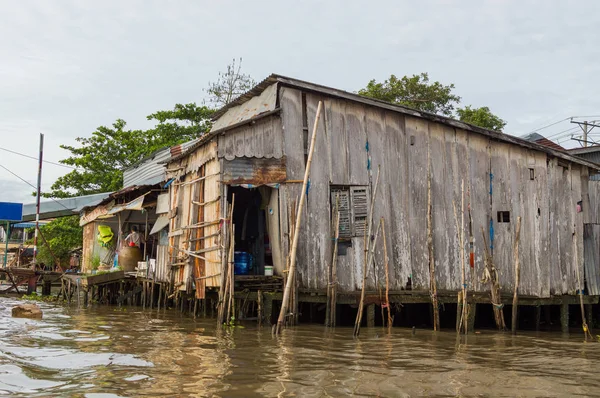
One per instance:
(354,138)
(197,180)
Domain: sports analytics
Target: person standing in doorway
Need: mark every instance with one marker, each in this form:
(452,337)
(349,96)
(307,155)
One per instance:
(134,239)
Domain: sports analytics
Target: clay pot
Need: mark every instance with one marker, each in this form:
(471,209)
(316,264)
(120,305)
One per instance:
(129,257)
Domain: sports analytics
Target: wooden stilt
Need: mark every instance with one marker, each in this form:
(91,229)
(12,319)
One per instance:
(471,313)
(584,324)
(371,315)
(259,314)
(432,282)
(564,318)
(370,257)
(491,277)
(387,276)
(152,286)
(459,311)
(367,257)
(515,304)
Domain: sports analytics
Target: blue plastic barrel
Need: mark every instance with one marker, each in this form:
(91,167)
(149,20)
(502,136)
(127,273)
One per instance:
(242,262)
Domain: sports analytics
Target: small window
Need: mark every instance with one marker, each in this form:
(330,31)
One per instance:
(504,216)
(353,202)
(532,174)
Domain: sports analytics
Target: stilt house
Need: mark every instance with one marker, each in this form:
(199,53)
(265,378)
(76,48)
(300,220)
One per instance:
(481,181)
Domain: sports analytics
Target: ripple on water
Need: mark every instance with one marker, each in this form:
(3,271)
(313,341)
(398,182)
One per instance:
(99,352)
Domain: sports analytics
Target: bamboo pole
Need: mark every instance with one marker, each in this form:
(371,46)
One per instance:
(459,301)
(462,256)
(333,287)
(432,283)
(387,275)
(292,269)
(371,256)
(460,233)
(492,276)
(367,243)
(515,302)
(232,277)
(584,325)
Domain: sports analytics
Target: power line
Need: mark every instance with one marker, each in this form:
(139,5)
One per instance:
(31,185)
(569,130)
(34,158)
(560,121)
(549,125)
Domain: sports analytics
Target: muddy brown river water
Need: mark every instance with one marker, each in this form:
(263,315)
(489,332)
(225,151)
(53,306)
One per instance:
(107,352)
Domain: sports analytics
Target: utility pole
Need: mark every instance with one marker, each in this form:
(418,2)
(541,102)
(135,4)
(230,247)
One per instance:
(37,206)
(586,127)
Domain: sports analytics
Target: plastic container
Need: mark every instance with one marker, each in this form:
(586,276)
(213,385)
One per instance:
(268,270)
(242,262)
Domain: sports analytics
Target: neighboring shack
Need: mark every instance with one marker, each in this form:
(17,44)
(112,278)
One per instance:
(257,150)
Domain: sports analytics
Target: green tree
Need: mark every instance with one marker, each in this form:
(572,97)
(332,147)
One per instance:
(230,84)
(63,235)
(415,92)
(101,158)
(481,117)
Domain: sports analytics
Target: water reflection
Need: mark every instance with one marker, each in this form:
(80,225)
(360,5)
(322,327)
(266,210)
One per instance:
(104,351)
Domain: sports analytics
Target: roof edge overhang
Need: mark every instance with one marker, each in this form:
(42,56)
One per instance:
(284,81)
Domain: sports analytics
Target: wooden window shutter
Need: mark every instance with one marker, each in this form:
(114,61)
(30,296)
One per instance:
(344,209)
(360,209)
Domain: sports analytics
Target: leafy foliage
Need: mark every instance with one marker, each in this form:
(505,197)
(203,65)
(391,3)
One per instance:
(230,84)
(481,117)
(417,92)
(414,92)
(63,235)
(101,158)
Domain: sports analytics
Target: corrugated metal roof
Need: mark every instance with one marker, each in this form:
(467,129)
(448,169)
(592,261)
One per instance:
(62,207)
(336,93)
(151,170)
(540,139)
(591,154)
(254,171)
(587,149)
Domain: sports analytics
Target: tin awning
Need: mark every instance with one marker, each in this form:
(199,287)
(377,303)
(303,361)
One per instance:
(135,204)
(160,224)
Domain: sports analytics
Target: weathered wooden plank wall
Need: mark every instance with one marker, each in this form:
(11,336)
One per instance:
(354,139)
(197,180)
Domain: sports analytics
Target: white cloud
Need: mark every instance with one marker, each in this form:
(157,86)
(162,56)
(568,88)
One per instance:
(70,66)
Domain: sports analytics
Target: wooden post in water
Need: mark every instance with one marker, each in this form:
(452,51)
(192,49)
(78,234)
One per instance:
(492,275)
(586,330)
(387,275)
(371,315)
(459,311)
(259,312)
(292,269)
(517,275)
(367,258)
(564,317)
(333,282)
(432,282)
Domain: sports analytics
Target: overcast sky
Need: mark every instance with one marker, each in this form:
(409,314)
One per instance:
(67,67)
